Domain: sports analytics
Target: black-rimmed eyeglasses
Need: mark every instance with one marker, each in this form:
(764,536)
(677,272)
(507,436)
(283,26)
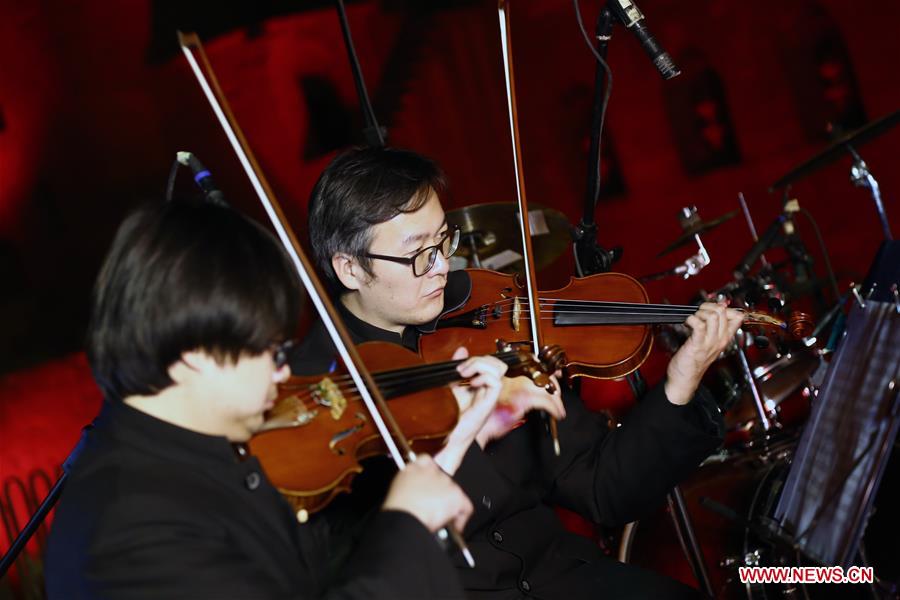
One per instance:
(423,260)
(281,353)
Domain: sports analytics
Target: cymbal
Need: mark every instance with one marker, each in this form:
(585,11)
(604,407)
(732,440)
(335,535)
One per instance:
(492,231)
(838,148)
(697,227)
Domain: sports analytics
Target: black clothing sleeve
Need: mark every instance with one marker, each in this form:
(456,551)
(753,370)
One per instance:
(619,475)
(609,476)
(398,558)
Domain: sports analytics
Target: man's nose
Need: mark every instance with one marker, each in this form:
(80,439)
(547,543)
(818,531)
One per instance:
(441,265)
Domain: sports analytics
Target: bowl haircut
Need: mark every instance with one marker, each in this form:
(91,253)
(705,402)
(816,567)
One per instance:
(186,276)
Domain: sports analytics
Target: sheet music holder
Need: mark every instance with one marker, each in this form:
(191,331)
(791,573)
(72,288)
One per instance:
(843,451)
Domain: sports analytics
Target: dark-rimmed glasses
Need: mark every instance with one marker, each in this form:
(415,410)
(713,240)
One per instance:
(281,353)
(423,260)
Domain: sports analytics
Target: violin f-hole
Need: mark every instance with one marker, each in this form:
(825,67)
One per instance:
(343,435)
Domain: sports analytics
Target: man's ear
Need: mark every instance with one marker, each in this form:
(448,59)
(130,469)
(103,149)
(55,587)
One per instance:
(191,364)
(349,271)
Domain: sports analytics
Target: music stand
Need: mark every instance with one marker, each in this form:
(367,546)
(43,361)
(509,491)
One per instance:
(840,459)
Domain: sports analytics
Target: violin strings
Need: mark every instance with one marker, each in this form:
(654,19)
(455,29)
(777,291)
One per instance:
(573,310)
(415,371)
(397,381)
(672,318)
(549,313)
(612,303)
(349,392)
(384,377)
(680,313)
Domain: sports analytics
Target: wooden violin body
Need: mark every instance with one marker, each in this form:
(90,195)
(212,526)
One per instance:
(498,309)
(319,430)
(314,437)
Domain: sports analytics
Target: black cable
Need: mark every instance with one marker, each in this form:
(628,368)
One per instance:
(366,104)
(831,277)
(170,185)
(607,93)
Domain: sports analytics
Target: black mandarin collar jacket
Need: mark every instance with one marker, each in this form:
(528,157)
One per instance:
(520,546)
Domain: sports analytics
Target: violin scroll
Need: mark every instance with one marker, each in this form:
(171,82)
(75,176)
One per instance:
(799,324)
(538,369)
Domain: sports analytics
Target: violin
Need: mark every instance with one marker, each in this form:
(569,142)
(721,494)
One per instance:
(498,308)
(317,433)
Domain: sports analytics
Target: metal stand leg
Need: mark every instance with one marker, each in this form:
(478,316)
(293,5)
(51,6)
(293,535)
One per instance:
(761,411)
(861,177)
(48,503)
(684,528)
(681,520)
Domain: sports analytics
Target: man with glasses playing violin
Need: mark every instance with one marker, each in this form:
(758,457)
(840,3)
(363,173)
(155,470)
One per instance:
(380,238)
(186,340)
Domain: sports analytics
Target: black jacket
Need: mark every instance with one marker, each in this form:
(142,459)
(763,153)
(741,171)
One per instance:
(610,477)
(156,511)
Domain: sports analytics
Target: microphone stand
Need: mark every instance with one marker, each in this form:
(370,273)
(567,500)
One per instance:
(374,134)
(46,506)
(591,257)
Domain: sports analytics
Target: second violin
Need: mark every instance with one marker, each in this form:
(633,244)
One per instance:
(569,318)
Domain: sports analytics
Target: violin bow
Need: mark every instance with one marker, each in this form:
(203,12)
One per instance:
(525,229)
(397,444)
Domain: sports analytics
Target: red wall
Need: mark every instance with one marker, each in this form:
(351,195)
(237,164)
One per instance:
(91,127)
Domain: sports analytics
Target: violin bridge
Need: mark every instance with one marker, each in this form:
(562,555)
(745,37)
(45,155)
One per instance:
(327,393)
(515,314)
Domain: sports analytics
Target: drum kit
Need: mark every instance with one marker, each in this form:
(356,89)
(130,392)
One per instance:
(764,386)
(766,389)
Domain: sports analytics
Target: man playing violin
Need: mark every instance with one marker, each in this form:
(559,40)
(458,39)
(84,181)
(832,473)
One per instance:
(380,237)
(187,341)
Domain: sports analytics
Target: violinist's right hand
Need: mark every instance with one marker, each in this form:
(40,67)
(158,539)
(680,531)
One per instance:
(476,403)
(518,397)
(427,493)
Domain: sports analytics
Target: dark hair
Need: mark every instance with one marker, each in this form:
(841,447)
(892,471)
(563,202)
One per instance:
(362,188)
(181,277)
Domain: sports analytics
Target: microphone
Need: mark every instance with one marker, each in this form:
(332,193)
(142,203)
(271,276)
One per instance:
(762,244)
(203,178)
(628,13)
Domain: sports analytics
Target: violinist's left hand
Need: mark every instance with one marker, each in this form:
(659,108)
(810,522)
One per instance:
(477,401)
(712,327)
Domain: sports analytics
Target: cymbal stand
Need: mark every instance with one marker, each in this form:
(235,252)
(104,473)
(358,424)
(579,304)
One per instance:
(695,263)
(765,419)
(470,239)
(746,211)
(860,176)
(690,267)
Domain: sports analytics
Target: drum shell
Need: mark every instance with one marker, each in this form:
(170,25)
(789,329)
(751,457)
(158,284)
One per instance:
(749,482)
(784,381)
(742,482)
